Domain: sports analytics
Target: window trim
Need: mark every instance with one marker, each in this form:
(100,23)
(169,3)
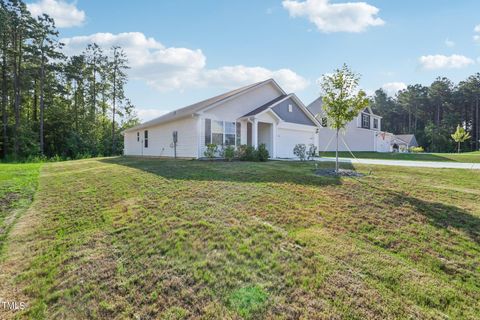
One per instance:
(376,123)
(145,139)
(235,124)
(365,116)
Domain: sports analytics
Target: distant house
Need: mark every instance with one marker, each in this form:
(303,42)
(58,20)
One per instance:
(364,133)
(408,140)
(261,113)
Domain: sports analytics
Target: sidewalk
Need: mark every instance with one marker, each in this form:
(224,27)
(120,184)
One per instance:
(406,163)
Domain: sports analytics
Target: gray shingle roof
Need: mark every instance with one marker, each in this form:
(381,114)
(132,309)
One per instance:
(315,107)
(196,107)
(408,138)
(265,106)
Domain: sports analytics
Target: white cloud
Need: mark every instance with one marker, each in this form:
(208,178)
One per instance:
(476,37)
(65,14)
(438,61)
(335,17)
(168,68)
(234,76)
(392,88)
(449,43)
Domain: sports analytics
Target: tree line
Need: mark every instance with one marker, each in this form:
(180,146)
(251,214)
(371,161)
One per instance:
(54,105)
(433,112)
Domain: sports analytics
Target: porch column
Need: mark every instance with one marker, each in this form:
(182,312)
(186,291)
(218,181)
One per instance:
(255,133)
(274,141)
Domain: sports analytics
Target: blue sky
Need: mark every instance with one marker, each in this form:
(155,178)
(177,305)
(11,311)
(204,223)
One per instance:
(184,51)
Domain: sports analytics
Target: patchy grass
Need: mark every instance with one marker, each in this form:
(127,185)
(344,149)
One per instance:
(469,157)
(249,301)
(18,183)
(124,238)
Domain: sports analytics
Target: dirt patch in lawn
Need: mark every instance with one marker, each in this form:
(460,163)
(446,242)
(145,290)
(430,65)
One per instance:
(341,173)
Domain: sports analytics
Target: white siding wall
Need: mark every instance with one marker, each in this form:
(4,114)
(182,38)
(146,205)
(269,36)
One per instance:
(160,140)
(233,109)
(357,139)
(131,145)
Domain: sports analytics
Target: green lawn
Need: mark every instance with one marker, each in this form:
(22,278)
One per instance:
(471,157)
(125,238)
(17,187)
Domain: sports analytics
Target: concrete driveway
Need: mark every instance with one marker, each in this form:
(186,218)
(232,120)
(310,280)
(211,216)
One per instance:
(406,163)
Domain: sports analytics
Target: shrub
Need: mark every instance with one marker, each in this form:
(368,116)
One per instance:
(248,153)
(417,149)
(229,153)
(245,153)
(261,153)
(300,151)
(312,150)
(211,151)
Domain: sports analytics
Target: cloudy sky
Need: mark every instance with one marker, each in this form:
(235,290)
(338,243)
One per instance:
(183,51)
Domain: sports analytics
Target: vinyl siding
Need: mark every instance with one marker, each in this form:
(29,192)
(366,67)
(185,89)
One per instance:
(160,142)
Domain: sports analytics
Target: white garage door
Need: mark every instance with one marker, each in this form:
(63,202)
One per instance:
(287,139)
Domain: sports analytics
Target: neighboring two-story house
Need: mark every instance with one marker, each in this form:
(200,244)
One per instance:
(364,133)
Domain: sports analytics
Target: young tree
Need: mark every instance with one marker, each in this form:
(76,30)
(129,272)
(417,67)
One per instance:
(342,101)
(460,135)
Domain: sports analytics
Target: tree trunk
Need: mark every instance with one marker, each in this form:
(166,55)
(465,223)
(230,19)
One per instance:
(458,150)
(113,109)
(477,128)
(94,107)
(17,75)
(75,106)
(4,102)
(42,106)
(336,155)
(35,100)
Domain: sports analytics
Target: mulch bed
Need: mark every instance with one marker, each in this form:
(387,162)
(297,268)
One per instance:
(341,173)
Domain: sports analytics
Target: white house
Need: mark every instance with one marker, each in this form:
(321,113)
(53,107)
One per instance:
(364,133)
(261,113)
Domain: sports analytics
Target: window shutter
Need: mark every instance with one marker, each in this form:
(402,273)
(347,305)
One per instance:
(208,131)
(239,133)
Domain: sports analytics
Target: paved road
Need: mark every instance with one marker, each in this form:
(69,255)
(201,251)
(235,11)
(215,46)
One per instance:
(407,163)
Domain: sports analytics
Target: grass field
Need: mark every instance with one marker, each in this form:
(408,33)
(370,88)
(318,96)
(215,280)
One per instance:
(125,238)
(17,187)
(470,157)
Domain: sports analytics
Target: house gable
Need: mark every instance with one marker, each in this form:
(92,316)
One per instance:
(242,104)
(289,111)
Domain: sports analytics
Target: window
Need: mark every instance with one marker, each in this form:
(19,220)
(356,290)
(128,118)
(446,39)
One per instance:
(239,133)
(217,132)
(138,136)
(222,132)
(290,108)
(208,131)
(230,130)
(145,140)
(365,121)
(375,123)
(324,122)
